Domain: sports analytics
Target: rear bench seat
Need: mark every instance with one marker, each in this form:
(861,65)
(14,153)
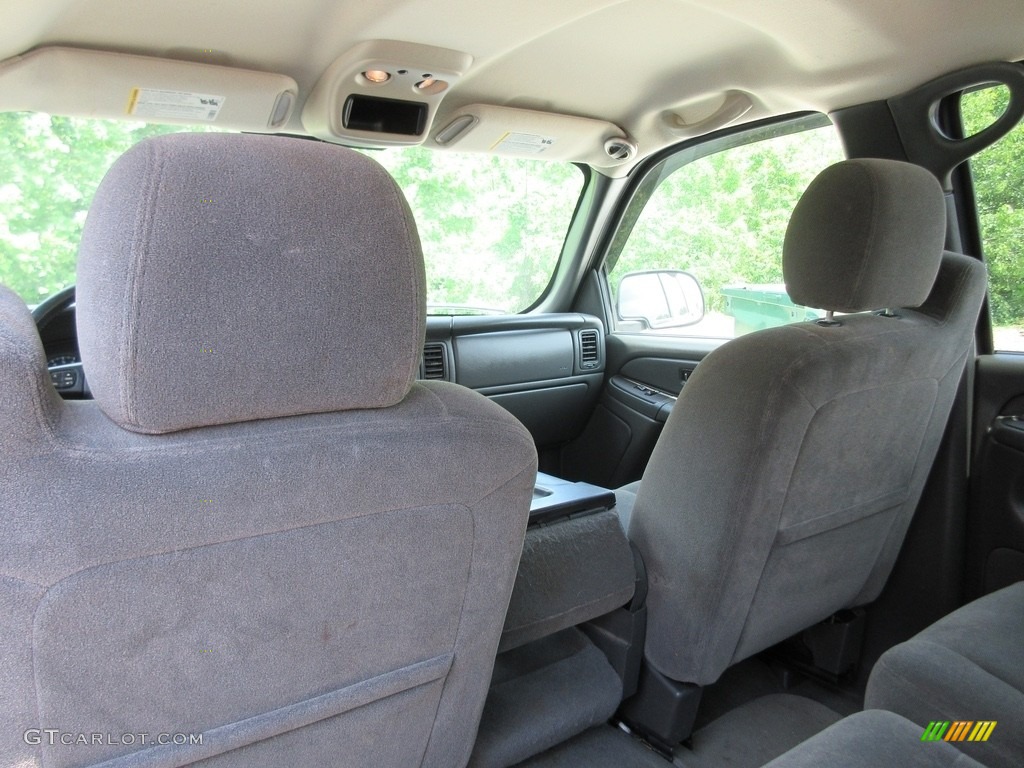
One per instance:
(969,665)
(876,739)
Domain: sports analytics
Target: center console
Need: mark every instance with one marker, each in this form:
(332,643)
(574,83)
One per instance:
(576,565)
(573,635)
(556,499)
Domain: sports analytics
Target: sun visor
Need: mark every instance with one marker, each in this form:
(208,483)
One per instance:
(540,135)
(84,83)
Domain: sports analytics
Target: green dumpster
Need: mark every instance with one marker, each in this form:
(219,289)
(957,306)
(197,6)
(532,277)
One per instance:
(756,307)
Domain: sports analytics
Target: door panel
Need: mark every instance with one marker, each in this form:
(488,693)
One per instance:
(665,374)
(713,214)
(645,374)
(996,517)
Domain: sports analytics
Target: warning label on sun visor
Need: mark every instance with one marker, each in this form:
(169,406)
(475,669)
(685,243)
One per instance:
(523,143)
(179,105)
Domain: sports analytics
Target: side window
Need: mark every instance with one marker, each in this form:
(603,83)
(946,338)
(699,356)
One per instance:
(999,193)
(718,214)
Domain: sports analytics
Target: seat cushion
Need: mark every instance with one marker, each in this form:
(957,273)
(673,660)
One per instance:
(872,739)
(967,666)
(542,694)
(625,498)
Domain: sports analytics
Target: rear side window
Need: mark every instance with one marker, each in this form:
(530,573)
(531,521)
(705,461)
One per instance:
(998,173)
(719,216)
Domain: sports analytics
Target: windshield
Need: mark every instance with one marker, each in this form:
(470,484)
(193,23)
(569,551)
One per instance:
(51,167)
(492,228)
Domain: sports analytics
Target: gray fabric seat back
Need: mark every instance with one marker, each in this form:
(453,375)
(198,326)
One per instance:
(262,535)
(786,476)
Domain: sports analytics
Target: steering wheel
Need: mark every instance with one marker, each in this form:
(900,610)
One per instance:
(69,378)
(55,305)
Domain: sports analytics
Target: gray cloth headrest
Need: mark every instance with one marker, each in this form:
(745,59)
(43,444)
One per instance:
(867,234)
(226,278)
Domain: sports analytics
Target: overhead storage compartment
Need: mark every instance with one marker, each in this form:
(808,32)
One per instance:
(382,93)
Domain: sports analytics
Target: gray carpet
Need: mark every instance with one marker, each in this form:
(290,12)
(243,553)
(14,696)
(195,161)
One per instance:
(754,678)
(757,732)
(601,747)
(746,737)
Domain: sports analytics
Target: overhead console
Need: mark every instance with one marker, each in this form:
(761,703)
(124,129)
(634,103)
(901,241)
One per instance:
(383,93)
(389,93)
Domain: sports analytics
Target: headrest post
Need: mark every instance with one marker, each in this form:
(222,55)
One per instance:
(829,320)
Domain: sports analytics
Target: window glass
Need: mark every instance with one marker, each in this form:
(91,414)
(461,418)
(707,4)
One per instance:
(999,192)
(492,228)
(722,218)
(51,167)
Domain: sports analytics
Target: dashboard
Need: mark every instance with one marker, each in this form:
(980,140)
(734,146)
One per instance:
(546,369)
(55,320)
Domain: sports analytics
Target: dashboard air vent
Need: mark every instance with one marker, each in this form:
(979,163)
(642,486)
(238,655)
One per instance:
(434,362)
(590,354)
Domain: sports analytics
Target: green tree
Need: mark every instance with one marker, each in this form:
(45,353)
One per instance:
(52,168)
(723,217)
(998,173)
(492,228)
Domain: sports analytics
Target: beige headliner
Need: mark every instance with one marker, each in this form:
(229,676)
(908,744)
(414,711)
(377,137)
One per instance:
(621,61)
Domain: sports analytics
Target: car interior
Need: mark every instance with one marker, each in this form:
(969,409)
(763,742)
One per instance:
(616,384)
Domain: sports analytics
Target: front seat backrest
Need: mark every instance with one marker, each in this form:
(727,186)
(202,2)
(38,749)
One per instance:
(786,476)
(262,535)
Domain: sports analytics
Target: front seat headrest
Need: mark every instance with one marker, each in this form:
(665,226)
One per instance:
(867,234)
(226,278)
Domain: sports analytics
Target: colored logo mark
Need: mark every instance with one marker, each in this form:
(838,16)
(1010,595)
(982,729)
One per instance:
(959,730)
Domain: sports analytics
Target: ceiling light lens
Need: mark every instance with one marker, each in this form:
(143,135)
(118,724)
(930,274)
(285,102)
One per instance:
(425,84)
(377,75)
